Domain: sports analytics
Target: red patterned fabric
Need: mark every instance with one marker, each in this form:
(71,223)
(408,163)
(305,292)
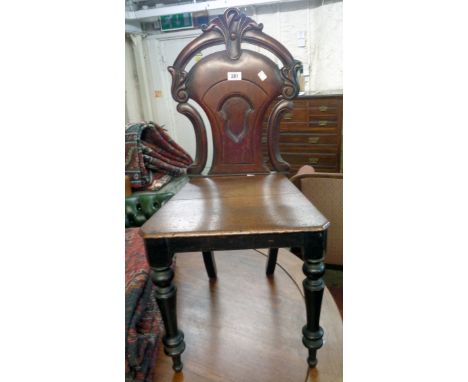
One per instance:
(151,154)
(143,323)
(158,136)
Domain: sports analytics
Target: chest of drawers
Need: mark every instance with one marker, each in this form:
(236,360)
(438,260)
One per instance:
(312,133)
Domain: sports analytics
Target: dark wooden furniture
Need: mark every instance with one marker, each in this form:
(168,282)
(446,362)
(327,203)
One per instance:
(235,87)
(223,339)
(311,134)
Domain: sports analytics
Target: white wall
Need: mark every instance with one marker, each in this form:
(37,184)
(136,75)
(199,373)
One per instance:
(133,107)
(322,26)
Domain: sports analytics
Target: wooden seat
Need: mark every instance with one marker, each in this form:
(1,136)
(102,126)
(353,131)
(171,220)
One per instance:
(242,204)
(221,206)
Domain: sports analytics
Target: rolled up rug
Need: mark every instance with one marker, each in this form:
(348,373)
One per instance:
(152,157)
(156,135)
(143,322)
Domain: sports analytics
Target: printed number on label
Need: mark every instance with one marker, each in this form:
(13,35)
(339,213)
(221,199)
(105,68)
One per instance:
(233,76)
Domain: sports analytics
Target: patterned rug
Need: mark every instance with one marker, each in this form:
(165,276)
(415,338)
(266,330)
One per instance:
(143,323)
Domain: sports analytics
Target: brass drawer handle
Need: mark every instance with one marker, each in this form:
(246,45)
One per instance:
(287,116)
(314,139)
(323,108)
(314,160)
(264,140)
(323,123)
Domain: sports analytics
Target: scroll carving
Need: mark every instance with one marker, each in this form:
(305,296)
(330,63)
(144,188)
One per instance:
(289,75)
(179,84)
(232,25)
(273,135)
(200,137)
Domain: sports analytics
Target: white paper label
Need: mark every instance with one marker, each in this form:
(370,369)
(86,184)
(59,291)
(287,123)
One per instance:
(234,76)
(261,74)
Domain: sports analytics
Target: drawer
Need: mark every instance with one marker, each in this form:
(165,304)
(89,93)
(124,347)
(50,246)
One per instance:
(323,121)
(324,110)
(309,139)
(326,101)
(324,107)
(300,103)
(313,159)
(306,139)
(308,128)
(295,115)
(307,149)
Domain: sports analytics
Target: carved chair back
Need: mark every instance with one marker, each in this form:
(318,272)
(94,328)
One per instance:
(235,87)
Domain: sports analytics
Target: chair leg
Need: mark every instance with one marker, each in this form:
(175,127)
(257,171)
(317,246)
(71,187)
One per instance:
(210,264)
(271,262)
(314,268)
(173,339)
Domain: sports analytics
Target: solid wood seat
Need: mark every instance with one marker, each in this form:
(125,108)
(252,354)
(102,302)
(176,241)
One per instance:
(241,204)
(221,205)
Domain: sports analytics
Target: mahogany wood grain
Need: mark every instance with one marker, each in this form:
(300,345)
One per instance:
(218,206)
(325,139)
(272,135)
(313,126)
(300,148)
(299,115)
(200,133)
(234,339)
(300,103)
(234,87)
(294,127)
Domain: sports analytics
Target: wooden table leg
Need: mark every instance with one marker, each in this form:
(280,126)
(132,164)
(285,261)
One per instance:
(173,339)
(314,268)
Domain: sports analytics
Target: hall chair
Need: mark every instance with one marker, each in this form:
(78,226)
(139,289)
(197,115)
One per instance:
(241,204)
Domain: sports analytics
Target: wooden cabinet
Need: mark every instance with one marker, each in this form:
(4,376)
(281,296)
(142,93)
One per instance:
(312,133)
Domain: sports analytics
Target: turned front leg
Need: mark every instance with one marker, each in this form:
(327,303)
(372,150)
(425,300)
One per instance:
(173,340)
(313,268)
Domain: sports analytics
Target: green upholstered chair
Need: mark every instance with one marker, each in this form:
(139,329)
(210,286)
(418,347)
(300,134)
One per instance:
(141,206)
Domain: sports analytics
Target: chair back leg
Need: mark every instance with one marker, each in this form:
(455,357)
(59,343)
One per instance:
(210,264)
(271,262)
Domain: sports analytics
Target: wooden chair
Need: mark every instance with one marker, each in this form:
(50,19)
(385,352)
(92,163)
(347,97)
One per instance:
(229,209)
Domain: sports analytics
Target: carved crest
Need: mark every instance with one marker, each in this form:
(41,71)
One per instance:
(232,25)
